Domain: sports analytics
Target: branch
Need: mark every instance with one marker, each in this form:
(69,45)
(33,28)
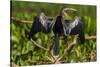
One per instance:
(39,45)
(20,21)
(52,60)
(90,37)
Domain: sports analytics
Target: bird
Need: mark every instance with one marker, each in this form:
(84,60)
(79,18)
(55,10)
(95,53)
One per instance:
(60,26)
(66,28)
(73,25)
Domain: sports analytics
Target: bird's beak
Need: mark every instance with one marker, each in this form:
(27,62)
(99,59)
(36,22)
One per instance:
(69,9)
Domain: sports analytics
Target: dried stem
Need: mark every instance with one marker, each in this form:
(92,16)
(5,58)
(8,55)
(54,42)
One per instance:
(39,45)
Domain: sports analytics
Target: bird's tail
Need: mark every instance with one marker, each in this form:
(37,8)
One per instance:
(56,47)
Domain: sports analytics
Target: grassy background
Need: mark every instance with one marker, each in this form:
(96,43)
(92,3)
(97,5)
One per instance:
(23,51)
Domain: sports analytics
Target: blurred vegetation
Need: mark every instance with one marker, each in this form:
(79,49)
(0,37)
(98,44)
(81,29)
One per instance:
(24,52)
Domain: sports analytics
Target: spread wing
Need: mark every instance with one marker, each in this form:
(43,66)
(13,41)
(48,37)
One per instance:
(41,24)
(74,27)
(79,29)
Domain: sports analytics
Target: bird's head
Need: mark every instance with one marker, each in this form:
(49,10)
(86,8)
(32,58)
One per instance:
(68,13)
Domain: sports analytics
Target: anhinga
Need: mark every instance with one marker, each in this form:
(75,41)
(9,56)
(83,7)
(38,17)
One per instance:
(62,25)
